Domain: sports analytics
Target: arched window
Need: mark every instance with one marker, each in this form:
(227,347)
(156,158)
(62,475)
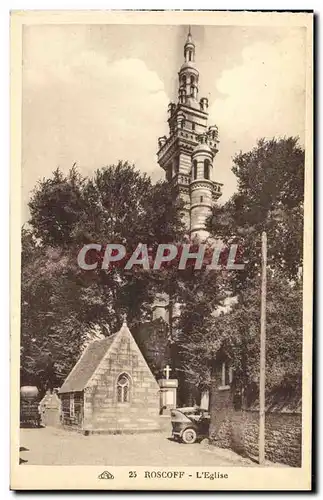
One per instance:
(182,123)
(123,388)
(193,126)
(192,80)
(190,55)
(183,80)
(194,170)
(206,169)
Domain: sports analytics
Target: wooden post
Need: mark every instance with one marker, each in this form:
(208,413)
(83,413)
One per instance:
(262,380)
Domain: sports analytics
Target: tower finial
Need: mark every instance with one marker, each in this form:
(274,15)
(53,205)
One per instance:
(189,35)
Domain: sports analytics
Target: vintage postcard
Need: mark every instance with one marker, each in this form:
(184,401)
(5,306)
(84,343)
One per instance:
(161,250)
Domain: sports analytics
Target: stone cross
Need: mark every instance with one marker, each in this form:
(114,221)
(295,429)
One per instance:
(167,370)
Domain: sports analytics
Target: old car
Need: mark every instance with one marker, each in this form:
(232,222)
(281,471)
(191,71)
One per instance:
(190,424)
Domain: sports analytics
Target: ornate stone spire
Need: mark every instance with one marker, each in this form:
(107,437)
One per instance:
(188,74)
(187,155)
(189,47)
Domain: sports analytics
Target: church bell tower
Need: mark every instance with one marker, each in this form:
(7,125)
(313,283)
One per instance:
(188,153)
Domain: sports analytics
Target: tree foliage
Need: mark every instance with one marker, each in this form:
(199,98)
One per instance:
(237,333)
(269,198)
(62,303)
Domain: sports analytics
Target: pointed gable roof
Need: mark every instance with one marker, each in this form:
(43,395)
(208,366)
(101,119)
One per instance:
(84,371)
(87,364)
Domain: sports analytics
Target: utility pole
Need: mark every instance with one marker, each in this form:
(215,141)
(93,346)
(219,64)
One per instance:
(262,379)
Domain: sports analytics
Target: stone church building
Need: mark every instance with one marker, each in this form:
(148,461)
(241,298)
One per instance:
(111,388)
(187,154)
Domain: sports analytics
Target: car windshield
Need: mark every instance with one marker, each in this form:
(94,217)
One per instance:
(191,411)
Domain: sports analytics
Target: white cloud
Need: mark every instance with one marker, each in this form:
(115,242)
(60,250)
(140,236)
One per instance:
(263,96)
(83,108)
(83,104)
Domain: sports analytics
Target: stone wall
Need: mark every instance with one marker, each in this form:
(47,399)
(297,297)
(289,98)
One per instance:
(67,419)
(221,411)
(221,408)
(283,436)
(238,429)
(50,410)
(102,412)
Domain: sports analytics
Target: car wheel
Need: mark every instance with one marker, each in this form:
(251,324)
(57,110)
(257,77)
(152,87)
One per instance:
(189,436)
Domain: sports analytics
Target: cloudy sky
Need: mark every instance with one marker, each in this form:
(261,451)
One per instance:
(94,94)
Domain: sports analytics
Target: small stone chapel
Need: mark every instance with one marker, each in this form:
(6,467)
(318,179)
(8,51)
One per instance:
(111,388)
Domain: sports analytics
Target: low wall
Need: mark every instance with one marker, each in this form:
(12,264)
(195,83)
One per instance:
(283,435)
